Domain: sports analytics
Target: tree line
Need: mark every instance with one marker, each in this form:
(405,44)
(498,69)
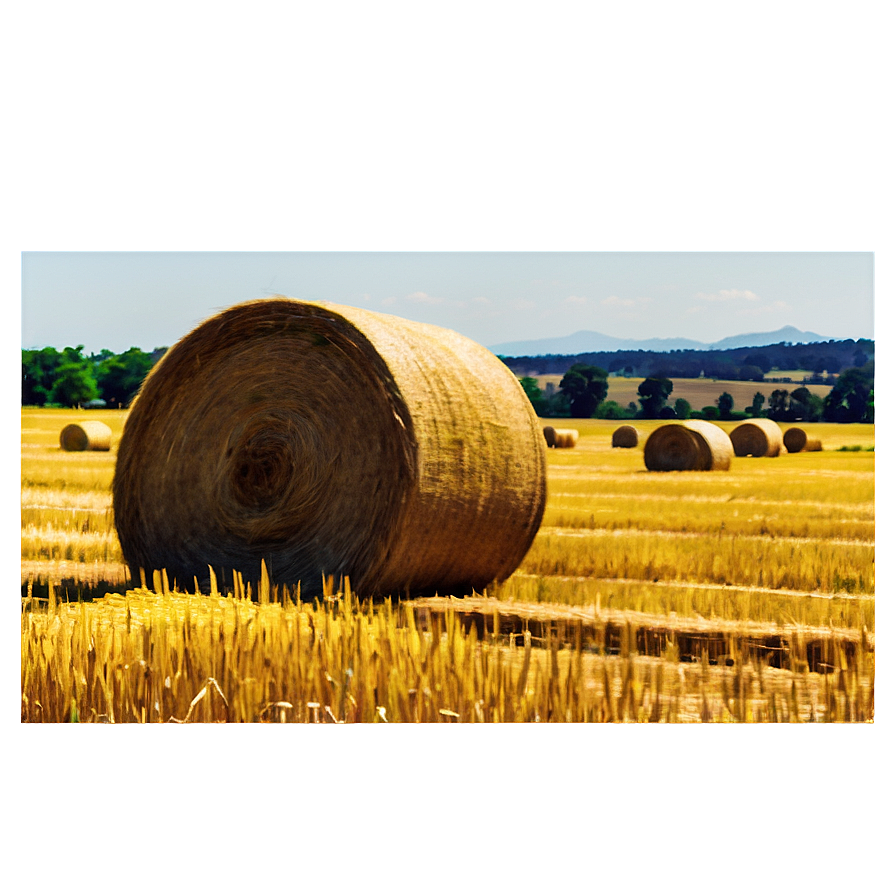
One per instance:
(823,359)
(69,378)
(583,394)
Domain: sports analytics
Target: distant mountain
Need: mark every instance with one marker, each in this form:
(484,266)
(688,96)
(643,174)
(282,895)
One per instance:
(785,334)
(591,341)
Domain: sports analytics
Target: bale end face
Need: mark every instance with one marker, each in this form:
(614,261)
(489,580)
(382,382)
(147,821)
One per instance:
(625,437)
(691,445)
(91,435)
(796,440)
(329,441)
(759,437)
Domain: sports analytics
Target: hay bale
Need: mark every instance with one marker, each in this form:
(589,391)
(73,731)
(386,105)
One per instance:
(796,440)
(328,440)
(759,437)
(625,437)
(89,435)
(550,436)
(565,438)
(688,445)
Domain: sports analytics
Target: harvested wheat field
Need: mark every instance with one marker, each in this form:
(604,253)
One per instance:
(739,594)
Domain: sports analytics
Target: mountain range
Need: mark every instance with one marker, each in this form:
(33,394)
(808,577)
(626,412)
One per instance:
(591,341)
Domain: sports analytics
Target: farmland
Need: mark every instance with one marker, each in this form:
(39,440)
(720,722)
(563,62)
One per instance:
(745,595)
(699,392)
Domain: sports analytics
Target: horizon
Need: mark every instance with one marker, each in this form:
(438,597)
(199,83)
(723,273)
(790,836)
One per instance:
(115,300)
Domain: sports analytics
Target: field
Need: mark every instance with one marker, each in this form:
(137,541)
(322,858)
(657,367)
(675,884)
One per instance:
(745,595)
(699,392)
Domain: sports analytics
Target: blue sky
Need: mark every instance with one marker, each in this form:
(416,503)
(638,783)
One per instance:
(117,299)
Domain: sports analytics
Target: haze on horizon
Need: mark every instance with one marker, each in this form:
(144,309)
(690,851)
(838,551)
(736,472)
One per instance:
(115,300)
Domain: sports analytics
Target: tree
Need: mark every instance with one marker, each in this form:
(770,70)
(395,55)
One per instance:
(851,400)
(74,385)
(751,372)
(653,393)
(726,405)
(38,374)
(804,405)
(585,387)
(760,360)
(682,408)
(756,407)
(119,377)
(778,408)
(533,393)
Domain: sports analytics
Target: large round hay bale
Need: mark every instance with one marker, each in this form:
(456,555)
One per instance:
(89,435)
(688,445)
(796,440)
(625,437)
(550,436)
(330,441)
(758,437)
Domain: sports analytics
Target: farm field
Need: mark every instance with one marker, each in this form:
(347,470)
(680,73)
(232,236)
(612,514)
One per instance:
(698,392)
(745,595)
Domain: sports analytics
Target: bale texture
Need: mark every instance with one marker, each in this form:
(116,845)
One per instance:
(759,437)
(625,437)
(89,435)
(688,445)
(796,440)
(330,441)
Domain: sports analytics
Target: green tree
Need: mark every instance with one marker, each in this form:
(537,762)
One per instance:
(851,400)
(653,393)
(725,403)
(682,408)
(39,368)
(778,406)
(586,387)
(804,405)
(119,377)
(74,384)
(756,407)
(534,394)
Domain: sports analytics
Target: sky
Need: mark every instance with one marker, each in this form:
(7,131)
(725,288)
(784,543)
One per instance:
(115,300)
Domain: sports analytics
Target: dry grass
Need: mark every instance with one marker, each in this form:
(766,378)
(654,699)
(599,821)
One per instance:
(737,595)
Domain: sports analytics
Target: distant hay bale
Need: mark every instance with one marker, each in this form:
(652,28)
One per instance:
(89,435)
(796,440)
(758,437)
(688,445)
(329,441)
(565,438)
(550,436)
(625,437)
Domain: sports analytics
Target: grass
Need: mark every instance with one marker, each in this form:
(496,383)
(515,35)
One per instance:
(746,595)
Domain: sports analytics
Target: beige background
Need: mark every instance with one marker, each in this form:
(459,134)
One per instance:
(449,125)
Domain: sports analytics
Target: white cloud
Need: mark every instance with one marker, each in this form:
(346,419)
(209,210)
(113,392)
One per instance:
(575,300)
(728,295)
(389,300)
(617,302)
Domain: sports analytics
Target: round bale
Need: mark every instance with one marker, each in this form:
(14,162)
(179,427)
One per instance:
(566,438)
(550,436)
(329,441)
(759,437)
(796,440)
(89,435)
(688,445)
(625,437)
